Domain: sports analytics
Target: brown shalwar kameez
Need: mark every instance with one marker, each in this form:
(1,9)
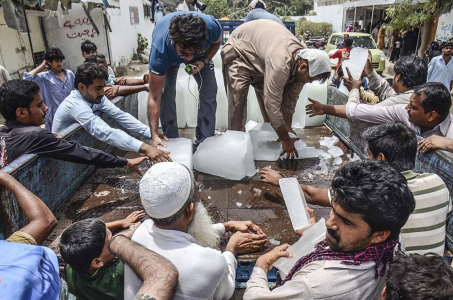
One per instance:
(263,54)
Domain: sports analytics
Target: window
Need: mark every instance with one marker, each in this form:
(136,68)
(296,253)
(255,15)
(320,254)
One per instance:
(133,12)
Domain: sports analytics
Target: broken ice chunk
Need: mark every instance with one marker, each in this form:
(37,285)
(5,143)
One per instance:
(267,150)
(324,153)
(250,124)
(240,192)
(229,155)
(209,197)
(180,151)
(295,202)
(335,151)
(337,161)
(328,141)
(238,204)
(273,241)
(299,144)
(257,191)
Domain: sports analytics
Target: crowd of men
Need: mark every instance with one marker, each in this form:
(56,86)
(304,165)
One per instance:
(386,231)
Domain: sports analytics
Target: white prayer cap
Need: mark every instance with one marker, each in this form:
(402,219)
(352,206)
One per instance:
(254,2)
(318,61)
(165,188)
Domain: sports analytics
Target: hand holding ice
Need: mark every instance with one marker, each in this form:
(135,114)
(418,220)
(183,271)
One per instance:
(295,202)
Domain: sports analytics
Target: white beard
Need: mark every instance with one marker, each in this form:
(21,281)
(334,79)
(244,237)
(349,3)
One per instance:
(201,228)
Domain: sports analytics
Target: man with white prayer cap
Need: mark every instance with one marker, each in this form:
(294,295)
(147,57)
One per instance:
(181,230)
(271,59)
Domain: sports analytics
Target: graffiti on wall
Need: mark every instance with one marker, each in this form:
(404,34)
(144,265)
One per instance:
(78,28)
(445,27)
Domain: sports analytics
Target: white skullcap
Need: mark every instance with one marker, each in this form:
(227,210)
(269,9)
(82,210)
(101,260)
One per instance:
(318,61)
(165,188)
(254,2)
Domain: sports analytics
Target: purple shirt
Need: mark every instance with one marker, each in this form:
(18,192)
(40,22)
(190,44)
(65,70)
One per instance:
(384,114)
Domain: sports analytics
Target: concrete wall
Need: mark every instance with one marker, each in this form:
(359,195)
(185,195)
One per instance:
(15,53)
(123,37)
(52,180)
(331,14)
(445,27)
(67,32)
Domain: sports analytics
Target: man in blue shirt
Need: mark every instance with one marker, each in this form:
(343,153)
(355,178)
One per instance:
(87,99)
(191,38)
(440,69)
(258,11)
(54,84)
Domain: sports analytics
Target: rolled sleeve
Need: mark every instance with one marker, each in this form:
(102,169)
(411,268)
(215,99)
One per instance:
(380,86)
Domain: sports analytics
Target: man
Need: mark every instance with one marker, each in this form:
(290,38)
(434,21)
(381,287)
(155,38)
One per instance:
(375,32)
(181,230)
(365,29)
(275,63)
(87,99)
(417,277)
(341,44)
(191,38)
(91,271)
(258,11)
(342,53)
(117,86)
(396,144)
(55,84)
(24,110)
(89,48)
(427,113)
(440,68)
(370,203)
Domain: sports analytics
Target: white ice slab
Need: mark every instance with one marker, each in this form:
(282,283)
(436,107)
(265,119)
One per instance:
(180,151)
(355,63)
(229,155)
(295,202)
(263,137)
(335,151)
(318,92)
(305,245)
(250,124)
(299,113)
(222,101)
(191,102)
(328,141)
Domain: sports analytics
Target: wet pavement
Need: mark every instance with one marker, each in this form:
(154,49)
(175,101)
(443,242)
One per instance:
(111,194)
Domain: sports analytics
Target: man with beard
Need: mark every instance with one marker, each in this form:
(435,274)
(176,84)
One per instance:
(370,203)
(272,60)
(181,230)
(56,83)
(87,99)
(440,68)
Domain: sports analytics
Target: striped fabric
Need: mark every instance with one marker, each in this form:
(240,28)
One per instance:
(425,230)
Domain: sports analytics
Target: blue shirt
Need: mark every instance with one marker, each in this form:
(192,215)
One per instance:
(28,272)
(259,13)
(75,109)
(438,71)
(163,53)
(53,90)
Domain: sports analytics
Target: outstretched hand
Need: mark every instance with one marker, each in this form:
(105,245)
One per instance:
(315,108)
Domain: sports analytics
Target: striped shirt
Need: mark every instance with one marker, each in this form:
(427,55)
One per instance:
(424,231)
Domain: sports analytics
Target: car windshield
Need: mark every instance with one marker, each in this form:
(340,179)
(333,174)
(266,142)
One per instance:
(362,41)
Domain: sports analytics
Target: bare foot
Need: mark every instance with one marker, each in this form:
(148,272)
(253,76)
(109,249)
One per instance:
(270,176)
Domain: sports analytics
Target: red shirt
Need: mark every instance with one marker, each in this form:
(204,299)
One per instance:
(341,54)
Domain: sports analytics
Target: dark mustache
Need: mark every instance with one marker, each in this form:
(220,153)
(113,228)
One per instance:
(333,234)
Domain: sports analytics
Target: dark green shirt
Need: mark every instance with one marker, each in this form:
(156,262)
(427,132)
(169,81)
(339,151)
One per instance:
(106,284)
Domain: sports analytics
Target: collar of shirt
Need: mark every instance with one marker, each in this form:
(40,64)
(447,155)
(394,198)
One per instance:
(441,59)
(441,128)
(170,235)
(55,75)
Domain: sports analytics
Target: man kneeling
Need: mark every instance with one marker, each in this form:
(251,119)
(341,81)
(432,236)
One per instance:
(370,203)
(181,231)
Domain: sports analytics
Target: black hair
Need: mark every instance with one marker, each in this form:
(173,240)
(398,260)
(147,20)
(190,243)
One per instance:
(88,46)
(419,277)
(88,72)
(437,98)
(259,4)
(82,242)
(412,69)
(174,218)
(396,141)
(189,31)
(16,94)
(447,44)
(53,54)
(377,192)
(348,42)
(96,58)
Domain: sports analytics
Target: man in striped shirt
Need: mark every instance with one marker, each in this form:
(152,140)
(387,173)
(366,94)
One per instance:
(395,143)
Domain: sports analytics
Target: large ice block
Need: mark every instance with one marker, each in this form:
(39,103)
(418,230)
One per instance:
(143,107)
(250,124)
(222,102)
(267,150)
(316,91)
(229,155)
(180,151)
(253,108)
(305,245)
(295,202)
(299,113)
(191,102)
(265,135)
(355,63)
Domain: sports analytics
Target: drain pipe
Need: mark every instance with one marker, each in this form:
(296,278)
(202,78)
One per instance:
(28,32)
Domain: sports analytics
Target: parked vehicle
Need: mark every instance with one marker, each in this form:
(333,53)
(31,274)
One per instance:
(363,40)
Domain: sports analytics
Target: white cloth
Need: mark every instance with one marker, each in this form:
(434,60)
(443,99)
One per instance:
(320,280)
(75,109)
(204,273)
(165,188)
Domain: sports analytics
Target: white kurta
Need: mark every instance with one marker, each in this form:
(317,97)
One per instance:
(204,273)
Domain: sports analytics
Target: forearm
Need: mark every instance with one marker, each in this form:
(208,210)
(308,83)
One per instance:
(114,224)
(159,276)
(153,115)
(316,196)
(335,110)
(282,133)
(37,70)
(288,119)
(131,81)
(209,54)
(126,90)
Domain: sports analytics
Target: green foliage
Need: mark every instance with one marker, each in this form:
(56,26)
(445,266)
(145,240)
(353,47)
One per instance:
(316,29)
(411,13)
(142,42)
(312,13)
(217,8)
